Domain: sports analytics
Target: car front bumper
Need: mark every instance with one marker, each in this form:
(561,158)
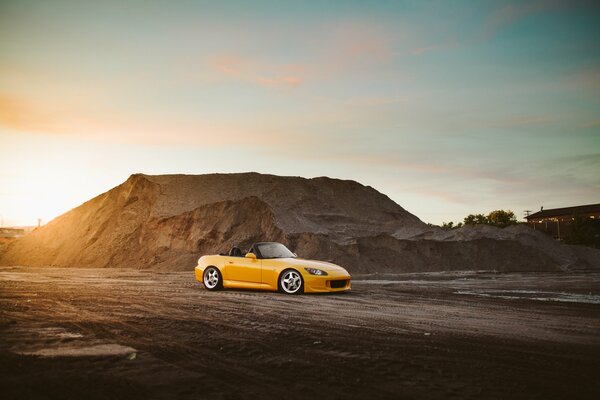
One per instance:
(198,272)
(327,283)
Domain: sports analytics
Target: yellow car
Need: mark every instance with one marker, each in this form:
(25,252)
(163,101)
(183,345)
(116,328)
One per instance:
(270,266)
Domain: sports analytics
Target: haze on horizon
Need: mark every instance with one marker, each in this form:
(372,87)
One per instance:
(448,108)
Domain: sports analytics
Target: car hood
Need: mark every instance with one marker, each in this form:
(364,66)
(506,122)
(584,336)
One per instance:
(302,263)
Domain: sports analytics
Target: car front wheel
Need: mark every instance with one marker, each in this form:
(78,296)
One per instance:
(291,282)
(212,279)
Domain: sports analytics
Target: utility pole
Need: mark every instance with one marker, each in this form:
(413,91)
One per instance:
(527,214)
(39,222)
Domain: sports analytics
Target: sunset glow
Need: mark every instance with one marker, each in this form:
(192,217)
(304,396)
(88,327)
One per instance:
(448,108)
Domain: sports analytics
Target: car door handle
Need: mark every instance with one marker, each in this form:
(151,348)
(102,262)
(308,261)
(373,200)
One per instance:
(230,262)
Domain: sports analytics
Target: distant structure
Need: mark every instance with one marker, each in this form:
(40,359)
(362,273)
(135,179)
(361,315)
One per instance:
(12,233)
(8,234)
(557,221)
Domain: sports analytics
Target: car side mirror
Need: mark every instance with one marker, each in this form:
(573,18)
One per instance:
(251,255)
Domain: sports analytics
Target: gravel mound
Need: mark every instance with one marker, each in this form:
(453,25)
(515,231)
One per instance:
(166,222)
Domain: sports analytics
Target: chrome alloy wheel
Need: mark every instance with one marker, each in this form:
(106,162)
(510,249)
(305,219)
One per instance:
(211,278)
(291,282)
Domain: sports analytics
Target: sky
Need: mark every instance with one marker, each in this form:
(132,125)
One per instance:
(449,108)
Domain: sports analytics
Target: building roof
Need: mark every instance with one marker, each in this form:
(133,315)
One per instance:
(555,212)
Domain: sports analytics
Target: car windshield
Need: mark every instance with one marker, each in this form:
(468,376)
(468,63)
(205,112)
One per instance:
(274,250)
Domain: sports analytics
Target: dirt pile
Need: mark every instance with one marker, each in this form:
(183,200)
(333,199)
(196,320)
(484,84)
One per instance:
(168,221)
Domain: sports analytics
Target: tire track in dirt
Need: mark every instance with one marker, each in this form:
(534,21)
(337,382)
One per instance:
(379,341)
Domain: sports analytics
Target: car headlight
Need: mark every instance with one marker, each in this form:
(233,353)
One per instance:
(314,271)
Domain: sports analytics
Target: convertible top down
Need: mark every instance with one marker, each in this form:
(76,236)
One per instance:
(270,266)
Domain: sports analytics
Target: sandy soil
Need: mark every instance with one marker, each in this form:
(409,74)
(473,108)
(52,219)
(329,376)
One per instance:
(108,333)
(165,222)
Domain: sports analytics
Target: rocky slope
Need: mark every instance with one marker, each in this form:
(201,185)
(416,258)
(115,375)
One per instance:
(168,221)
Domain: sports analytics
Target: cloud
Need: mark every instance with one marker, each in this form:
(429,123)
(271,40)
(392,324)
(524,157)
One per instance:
(355,45)
(578,176)
(364,45)
(513,12)
(572,163)
(591,124)
(446,196)
(516,122)
(244,69)
(344,47)
(22,115)
(422,50)
(288,81)
(95,122)
(375,101)
(447,44)
(408,161)
(476,125)
(230,65)
(586,79)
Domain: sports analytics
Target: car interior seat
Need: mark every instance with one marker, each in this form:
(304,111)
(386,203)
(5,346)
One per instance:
(235,252)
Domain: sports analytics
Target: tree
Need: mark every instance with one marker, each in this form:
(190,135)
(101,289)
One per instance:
(584,231)
(450,225)
(501,218)
(474,219)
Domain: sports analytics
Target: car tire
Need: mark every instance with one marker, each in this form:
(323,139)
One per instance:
(291,282)
(212,279)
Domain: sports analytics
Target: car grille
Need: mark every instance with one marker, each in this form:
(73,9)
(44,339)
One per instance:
(338,284)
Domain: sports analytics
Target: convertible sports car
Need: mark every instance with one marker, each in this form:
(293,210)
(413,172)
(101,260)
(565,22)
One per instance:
(270,266)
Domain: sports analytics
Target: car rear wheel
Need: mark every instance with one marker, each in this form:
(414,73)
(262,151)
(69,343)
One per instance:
(212,279)
(291,282)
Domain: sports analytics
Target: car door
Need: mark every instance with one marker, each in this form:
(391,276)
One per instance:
(243,269)
(270,272)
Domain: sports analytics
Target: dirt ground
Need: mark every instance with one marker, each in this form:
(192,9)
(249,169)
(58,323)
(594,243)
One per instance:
(108,333)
